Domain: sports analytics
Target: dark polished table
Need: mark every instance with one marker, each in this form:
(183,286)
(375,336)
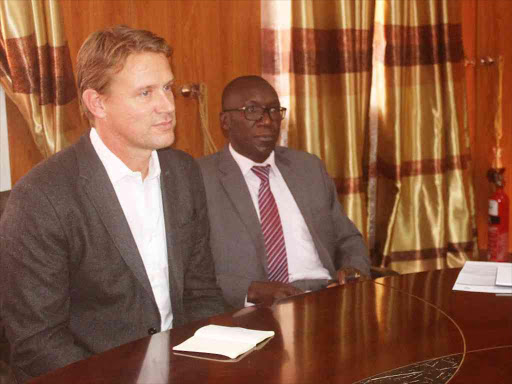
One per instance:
(401,329)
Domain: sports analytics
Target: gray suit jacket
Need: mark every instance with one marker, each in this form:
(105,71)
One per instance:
(72,280)
(235,232)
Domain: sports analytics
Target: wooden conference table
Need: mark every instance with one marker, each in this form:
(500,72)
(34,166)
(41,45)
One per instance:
(401,329)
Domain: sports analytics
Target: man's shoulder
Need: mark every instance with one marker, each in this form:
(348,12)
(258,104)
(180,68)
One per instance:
(282,154)
(55,179)
(177,162)
(175,158)
(209,163)
(295,155)
(210,159)
(59,168)
(175,154)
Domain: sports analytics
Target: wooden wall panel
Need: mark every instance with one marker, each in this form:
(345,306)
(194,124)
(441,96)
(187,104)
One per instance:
(23,152)
(493,29)
(213,42)
(469,8)
(469,18)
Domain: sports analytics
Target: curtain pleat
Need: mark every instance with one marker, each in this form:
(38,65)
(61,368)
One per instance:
(424,201)
(36,71)
(376,89)
(318,56)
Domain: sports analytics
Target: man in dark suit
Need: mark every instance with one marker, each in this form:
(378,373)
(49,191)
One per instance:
(270,245)
(107,241)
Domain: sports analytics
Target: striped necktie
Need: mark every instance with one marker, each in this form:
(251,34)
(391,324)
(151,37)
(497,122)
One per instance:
(271,228)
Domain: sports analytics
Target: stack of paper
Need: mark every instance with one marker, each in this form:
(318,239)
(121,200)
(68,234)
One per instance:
(226,341)
(504,275)
(483,276)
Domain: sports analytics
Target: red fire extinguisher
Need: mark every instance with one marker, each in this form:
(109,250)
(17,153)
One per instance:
(498,218)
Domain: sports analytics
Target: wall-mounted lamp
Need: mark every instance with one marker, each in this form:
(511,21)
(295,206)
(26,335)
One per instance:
(191,90)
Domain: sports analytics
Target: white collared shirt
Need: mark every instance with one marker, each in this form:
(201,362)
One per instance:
(303,260)
(141,201)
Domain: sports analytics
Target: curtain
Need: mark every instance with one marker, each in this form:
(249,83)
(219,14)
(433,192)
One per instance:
(376,89)
(318,56)
(36,71)
(424,202)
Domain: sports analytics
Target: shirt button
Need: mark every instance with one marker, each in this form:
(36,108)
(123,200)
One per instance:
(152,331)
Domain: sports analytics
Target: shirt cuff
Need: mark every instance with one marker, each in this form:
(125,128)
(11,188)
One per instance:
(247,303)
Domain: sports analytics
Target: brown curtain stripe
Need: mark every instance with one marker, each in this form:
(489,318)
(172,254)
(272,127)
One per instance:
(422,167)
(4,65)
(36,71)
(316,51)
(397,45)
(434,253)
(59,83)
(21,57)
(347,186)
(43,70)
(270,62)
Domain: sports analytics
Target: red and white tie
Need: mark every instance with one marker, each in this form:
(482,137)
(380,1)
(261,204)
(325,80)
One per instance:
(271,228)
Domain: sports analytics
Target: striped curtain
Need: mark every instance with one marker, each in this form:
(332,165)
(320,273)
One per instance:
(424,201)
(36,71)
(318,56)
(375,88)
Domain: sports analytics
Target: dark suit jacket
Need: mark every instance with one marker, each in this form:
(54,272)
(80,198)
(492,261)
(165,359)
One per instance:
(236,238)
(72,280)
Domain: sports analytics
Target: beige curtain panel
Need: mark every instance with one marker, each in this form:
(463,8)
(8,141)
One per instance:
(36,71)
(424,204)
(318,53)
(376,89)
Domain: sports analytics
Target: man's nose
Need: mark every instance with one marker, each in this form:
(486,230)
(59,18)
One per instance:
(166,102)
(265,117)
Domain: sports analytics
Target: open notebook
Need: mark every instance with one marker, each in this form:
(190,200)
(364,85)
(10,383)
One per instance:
(227,341)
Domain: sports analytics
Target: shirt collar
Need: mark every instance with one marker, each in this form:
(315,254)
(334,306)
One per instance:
(115,167)
(246,164)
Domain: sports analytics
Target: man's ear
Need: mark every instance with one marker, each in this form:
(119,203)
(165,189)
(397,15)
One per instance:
(94,103)
(225,123)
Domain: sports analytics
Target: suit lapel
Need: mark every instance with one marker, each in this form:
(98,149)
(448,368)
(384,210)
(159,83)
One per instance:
(170,200)
(300,189)
(235,186)
(296,184)
(100,191)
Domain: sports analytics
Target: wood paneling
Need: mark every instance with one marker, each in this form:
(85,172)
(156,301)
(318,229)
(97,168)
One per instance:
(487,35)
(23,152)
(213,41)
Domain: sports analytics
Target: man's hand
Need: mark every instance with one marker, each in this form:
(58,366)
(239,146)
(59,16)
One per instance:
(349,275)
(268,292)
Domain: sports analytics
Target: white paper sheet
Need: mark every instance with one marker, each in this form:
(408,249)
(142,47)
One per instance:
(480,276)
(504,275)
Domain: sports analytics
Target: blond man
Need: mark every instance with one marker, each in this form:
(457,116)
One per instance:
(107,241)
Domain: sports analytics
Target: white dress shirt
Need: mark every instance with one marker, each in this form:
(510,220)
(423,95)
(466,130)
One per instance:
(302,256)
(141,201)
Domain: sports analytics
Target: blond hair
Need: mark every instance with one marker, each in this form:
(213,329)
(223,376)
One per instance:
(104,54)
